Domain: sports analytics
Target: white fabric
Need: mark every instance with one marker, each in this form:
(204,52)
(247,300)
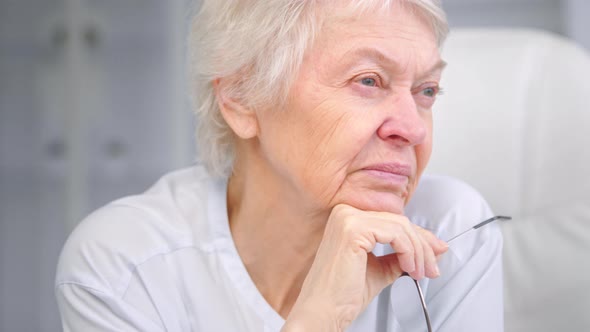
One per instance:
(514,123)
(165,261)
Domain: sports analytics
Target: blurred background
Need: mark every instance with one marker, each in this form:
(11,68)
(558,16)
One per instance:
(93,106)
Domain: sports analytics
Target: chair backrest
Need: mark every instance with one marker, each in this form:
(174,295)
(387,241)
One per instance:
(515,124)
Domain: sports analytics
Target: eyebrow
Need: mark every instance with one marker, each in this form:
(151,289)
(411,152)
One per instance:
(373,53)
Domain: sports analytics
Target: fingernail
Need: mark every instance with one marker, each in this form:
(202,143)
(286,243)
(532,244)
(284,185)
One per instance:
(443,243)
(436,270)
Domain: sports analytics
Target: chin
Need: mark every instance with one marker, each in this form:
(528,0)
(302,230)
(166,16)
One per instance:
(379,202)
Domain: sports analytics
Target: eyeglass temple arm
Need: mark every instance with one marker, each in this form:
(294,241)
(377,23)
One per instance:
(481,224)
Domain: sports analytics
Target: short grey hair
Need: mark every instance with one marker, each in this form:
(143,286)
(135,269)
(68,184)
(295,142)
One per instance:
(261,45)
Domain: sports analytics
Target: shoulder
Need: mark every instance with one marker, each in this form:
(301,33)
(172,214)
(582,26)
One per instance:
(103,251)
(437,194)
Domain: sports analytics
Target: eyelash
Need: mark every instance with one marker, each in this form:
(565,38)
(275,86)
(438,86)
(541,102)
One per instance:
(378,83)
(375,77)
(437,90)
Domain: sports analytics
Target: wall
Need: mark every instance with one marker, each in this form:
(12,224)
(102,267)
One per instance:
(566,17)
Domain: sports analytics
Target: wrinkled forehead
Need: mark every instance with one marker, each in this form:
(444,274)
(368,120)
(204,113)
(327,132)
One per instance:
(331,13)
(396,39)
(345,19)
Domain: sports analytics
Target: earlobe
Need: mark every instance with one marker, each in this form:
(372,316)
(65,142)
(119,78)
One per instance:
(241,119)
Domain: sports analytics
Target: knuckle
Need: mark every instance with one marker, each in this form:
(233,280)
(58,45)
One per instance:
(338,208)
(348,225)
(341,208)
(397,228)
(407,245)
(404,220)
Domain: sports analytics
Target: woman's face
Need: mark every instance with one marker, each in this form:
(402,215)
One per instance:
(357,128)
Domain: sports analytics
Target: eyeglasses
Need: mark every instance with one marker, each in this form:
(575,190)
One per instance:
(422,301)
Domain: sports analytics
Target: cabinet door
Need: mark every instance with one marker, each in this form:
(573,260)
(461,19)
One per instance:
(32,156)
(139,124)
(92,107)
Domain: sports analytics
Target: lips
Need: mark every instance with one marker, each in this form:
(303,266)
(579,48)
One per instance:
(391,168)
(392,176)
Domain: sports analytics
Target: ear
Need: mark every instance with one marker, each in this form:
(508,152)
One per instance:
(241,119)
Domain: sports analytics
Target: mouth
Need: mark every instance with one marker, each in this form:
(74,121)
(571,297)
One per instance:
(397,169)
(385,185)
(391,174)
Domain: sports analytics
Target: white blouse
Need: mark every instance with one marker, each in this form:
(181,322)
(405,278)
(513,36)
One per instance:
(165,261)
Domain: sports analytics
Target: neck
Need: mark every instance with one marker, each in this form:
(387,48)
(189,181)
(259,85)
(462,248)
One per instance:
(276,239)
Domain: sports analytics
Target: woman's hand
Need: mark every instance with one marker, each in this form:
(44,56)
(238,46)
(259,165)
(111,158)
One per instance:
(345,275)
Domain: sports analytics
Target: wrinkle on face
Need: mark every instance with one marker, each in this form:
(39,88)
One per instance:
(328,131)
(322,127)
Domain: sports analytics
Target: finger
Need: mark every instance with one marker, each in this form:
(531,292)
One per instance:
(418,273)
(439,246)
(394,233)
(395,230)
(411,260)
(404,249)
(430,265)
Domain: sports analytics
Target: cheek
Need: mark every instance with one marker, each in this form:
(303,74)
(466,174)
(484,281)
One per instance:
(312,146)
(423,152)
(334,138)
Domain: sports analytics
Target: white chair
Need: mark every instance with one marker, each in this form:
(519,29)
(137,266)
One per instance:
(515,124)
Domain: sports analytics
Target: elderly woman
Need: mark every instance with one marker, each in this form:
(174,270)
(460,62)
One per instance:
(315,123)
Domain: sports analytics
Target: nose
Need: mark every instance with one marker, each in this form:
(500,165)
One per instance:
(403,123)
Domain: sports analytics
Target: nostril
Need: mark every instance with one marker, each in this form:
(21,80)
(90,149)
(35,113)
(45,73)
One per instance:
(398,138)
(401,133)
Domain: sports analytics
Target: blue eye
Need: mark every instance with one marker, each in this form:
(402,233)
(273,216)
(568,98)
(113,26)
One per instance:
(430,92)
(369,81)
